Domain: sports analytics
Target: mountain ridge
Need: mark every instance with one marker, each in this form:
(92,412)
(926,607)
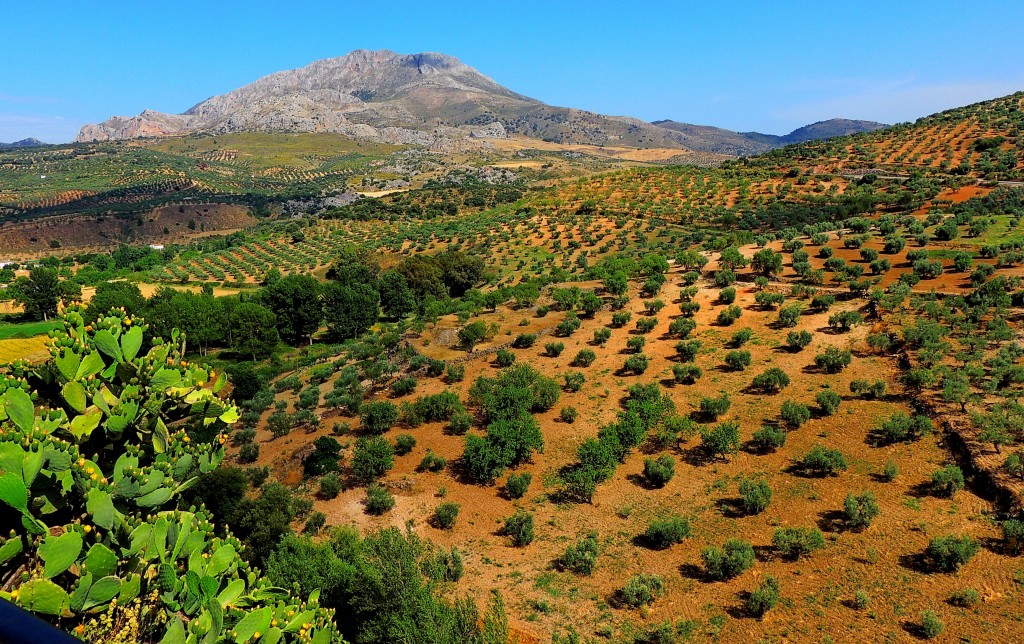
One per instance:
(707,138)
(426,98)
(30,142)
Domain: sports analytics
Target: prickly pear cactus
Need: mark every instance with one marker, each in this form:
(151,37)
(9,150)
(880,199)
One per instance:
(96,445)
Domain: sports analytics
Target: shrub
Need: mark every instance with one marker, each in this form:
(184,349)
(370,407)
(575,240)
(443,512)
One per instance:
(727,295)
(378,417)
(315,523)
(554,349)
(248,453)
(323,458)
(794,543)
(890,471)
(828,401)
(445,515)
(900,427)
(602,335)
(964,598)
(948,553)
(721,440)
(715,407)
(729,561)
(378,499)
(279,424)
(756,495)
(798,340)
(845,320)
(636,343)
(330,485)
(646,325)
(686,373)
(789,315)
(668,531)
(372,458)
(1013,535)
(431,462)
(931,625)
(584,358)
(682,327)
(769,438)
(524,340)
(659,471)
(741,337)
(519,527)
(795,414)
(947,481)
(772,380)
(505,358)
(737,360)
(724,278)
(404,444)
(574,381)
(621,318)
(765,597)
(860,509)
(459,423)
(403,386)
(455,372)
(822,461)
(637,363)
(728,315)
(861,600)
(868,389)
(517,484)
(688,350)
(833,360)
(642,590)
(581,557)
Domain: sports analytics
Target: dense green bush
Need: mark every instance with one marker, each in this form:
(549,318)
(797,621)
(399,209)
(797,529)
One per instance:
(794,543)
(403,386)
(727,562)
(769,438)
(797,340)
(931,625)
(659,471)
(519,527)
(323,458)
(795,414)
(446,514)
(771,381)
(833,360)
(378,499)
(667,531)
(948,553)
(822,461)
(828,401)
(756,495)
(372,458)
(378,417)
(642,590)
(330,485)
(860,509)
(686,373)
(737,360)
(947,481)
(517,484)
(765,597)
(721,440)
(404,443)
(714,407)
(584,358)
(581,557)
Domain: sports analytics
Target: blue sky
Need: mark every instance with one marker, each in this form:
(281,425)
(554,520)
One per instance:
(765,66)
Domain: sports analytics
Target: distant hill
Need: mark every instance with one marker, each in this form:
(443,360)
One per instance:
(705,138)
(24,143)
(390,98)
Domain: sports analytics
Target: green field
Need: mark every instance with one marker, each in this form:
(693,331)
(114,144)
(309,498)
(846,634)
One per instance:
(26,329)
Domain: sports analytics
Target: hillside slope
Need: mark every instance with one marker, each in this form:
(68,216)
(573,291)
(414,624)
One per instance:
(706,138)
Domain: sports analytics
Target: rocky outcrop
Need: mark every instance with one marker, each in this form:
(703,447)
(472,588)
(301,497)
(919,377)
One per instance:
(425,99)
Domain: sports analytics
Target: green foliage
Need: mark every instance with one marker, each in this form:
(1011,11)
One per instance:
(569,414)
(795,414)
(828,401)
(659,471)
(378,500)
(860,509)
(794,543)
(948,553)
(947,481)
(323,458)
(833,360)
(378,417)
(581,557)
(822,461)
(584,358)
(330,485)
(642,590)
(769,438)
(517,484)
(445,515)
(765,597)
(931,625)
(404,443)
(667,531)
(715,407)
(900,428)
(372,458)
(756,495)
(519,527)
(737,360)
(798,340)
(772,380)
(727,562)
(721,440)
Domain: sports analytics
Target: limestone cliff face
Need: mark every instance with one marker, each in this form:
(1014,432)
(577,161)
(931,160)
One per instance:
(389,97)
